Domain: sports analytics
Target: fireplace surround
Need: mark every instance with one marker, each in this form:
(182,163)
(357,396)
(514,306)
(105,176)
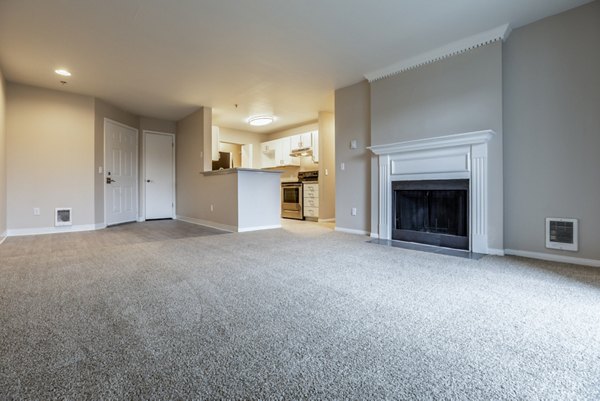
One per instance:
(452,157)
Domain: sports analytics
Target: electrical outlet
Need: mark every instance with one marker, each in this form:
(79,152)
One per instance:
(212,208)
(36,211)
(353,212)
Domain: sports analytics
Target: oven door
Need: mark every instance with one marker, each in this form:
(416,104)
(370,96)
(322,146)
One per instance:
(291,201)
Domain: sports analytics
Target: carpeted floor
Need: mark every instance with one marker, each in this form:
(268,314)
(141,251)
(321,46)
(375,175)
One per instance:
(296,313)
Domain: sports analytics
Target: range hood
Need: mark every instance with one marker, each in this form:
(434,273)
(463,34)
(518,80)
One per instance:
(300,152)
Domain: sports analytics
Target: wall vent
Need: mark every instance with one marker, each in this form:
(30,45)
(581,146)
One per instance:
(561,234)
(63,216)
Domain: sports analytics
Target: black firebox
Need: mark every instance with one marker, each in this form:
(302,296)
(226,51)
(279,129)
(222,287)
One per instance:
(434,212)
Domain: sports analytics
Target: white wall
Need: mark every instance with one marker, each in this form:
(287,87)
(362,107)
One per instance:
(50,157)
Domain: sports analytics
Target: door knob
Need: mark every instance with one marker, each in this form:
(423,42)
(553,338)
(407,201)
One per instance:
(109,180)
(148,180)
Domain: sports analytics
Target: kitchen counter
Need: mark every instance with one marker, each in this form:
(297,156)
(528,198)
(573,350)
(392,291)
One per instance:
(238,169)
(237,200)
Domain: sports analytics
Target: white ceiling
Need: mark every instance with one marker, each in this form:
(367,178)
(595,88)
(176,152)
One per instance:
(164,58)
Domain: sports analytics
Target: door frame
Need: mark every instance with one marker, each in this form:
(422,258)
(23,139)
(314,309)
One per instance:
(142,216)
(137,170)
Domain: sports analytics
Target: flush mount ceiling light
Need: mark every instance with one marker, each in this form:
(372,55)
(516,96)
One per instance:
(62,72)
(259,121)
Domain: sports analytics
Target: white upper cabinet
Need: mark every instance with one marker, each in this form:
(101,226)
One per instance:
(215,143)
(270,152)
(302,140)
(315,146)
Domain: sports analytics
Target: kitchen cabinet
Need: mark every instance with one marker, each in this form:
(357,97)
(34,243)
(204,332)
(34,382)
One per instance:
(276,153)
(270,153)
(315,146)
(215,143)
(311,201)
(301,140)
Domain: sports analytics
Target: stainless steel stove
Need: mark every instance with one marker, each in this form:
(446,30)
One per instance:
(292,196)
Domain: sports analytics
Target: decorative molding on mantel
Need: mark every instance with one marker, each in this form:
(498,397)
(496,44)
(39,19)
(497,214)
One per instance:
(468,138)
(449,50)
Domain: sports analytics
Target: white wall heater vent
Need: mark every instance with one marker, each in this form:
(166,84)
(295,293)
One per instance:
(562,234)
(63,216)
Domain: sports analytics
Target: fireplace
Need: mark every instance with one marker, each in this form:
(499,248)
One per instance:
(433,212)
(457,159)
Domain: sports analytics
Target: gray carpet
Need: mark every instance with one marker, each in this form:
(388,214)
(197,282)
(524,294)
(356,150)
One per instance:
(296,313)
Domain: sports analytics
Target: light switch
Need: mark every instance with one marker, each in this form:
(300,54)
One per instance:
(326,172)
(36,211)
(99,169)
(353,211)
(342,166)
(353,144)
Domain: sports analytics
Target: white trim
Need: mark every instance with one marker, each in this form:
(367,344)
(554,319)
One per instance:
(137,170)
(17,232)
(257,228)
(451,49)
(553,258)
(467,138)
(458,155)
(495,252)
(99,226)
(374,235)
(207,223)
(3,237)
(351,231)
(142,211)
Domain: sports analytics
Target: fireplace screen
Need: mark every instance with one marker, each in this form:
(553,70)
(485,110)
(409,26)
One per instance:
(431,212)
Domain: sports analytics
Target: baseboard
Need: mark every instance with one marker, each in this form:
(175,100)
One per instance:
(554,258)
(18,232)
(3,237)
(207,223)
(141,219)
(327,220)
(375,235)
(247,229)
(351,231)
(100,226)
(495,252)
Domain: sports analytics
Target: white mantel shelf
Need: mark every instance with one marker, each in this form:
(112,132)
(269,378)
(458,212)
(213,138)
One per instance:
(468,138)
(458,156)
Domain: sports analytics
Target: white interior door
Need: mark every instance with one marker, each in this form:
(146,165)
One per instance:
(160,175)
(120,173)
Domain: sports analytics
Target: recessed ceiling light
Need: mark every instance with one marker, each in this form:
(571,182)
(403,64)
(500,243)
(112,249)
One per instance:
(64,73)
(259,121)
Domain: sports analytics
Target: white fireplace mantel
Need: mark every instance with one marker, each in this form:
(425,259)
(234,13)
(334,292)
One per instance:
(458,156)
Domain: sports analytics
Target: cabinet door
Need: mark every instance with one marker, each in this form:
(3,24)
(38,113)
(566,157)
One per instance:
(269,154)
(215,143)
(306,140)
(315,146)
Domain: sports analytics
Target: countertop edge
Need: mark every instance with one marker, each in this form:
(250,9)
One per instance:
(238,169)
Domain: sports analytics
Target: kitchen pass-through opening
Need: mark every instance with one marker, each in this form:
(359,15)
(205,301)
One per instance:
(433,212)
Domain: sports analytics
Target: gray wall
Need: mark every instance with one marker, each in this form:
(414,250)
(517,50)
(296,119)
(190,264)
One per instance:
(50,156)
(552,129)
(352,185)
(2,157)
(460,94)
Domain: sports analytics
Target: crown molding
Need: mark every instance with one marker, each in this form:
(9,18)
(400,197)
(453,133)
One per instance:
(451,49)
